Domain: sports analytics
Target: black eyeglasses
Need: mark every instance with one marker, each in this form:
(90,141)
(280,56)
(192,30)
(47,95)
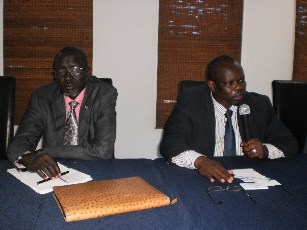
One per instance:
(73,70)
(231,188)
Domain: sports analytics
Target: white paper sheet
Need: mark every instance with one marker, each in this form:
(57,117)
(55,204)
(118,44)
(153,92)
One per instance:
(253,180)
(31,179)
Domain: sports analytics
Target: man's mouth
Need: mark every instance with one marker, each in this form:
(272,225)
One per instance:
(69,86)
(239,96)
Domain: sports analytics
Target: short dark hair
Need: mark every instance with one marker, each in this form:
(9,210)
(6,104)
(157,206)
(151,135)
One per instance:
(213,66)
(74,51)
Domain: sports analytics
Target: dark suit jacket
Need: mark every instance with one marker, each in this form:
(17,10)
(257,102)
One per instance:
(45,116)
(191,126)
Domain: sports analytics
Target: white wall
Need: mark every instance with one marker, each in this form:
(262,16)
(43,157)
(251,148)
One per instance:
(125,49)
(268,42)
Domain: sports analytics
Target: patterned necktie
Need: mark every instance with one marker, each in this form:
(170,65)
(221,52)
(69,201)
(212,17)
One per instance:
(229,139)
(71,126)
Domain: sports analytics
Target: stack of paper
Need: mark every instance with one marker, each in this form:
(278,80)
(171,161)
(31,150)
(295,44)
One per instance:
(31,179)
(253,180)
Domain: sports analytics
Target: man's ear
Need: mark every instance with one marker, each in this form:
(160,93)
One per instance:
(87,71)
(211,85)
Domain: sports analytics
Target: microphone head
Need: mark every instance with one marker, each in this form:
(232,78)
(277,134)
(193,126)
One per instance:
(244,109)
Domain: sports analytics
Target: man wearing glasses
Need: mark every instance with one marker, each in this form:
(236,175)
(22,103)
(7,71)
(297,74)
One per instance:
(205,124)
(75,115)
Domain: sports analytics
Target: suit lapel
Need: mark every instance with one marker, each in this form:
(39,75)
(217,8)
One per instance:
(209,119)
(58,107)
(86,107)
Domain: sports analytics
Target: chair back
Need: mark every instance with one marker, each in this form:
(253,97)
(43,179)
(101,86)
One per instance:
(186,84)
(290,105)
(107,80)
(7,112)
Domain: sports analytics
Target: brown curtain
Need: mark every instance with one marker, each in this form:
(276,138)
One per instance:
(300,48)
(34,31)
(192,33)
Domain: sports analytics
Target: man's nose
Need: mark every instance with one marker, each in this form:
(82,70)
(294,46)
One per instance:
(68,75)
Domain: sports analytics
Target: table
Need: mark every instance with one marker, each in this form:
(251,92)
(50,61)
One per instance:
(280,207)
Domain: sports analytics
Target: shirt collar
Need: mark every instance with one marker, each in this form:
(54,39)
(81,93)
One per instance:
(78,99)
(221,110)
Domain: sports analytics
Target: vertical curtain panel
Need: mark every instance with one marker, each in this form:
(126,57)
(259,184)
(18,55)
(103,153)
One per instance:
(300,48)
(191,34)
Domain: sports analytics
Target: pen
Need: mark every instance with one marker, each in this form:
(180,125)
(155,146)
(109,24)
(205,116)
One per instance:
(48,179)
(252,199)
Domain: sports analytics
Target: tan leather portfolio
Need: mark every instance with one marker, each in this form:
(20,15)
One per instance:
(107,197)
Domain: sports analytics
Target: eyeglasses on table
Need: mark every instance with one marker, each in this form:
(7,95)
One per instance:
(230,188)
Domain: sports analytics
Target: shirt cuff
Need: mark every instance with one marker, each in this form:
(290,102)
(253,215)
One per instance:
(18,164)
(186,159)
(274,152)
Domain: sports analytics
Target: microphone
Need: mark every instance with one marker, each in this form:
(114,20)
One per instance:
(244,112)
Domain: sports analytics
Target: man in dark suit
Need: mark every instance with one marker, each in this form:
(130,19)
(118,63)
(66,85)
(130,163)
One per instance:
(196,130)
(49,109)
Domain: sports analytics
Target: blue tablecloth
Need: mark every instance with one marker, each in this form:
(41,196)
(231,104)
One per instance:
(280,207)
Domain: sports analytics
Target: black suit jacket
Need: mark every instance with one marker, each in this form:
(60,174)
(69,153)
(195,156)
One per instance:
(191,125)
(45,116)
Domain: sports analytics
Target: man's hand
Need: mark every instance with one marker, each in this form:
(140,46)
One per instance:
(254,149)
(213,170)
(42,163)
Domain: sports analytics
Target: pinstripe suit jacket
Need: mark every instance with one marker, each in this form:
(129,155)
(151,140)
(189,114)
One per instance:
(45,117)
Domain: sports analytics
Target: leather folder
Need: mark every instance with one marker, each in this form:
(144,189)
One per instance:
(107,197)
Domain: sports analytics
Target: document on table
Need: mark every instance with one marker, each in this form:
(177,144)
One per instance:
(253,180)
(31,179)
